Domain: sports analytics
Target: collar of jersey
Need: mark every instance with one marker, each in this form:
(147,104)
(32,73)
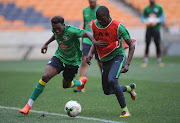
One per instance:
(102,27)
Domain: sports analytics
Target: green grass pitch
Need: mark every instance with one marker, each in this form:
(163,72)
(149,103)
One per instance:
(158,94)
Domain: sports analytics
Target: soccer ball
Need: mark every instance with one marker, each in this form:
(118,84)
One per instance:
(72,108)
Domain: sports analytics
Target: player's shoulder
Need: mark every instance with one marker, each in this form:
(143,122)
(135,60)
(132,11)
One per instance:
(98,6)
(71,28)
(159,6)
(116,22)
(147,7)
(86,8)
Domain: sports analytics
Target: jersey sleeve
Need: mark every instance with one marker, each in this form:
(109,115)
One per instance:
(145,14)
(123,33)
(77,32)
(161,10)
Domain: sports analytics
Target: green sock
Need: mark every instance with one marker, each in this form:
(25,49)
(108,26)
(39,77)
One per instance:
(125,109)
(37,91)
(128,88)
(77,82)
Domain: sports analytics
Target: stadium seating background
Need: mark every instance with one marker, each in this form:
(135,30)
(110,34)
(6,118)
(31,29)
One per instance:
(35,15)
(25,24)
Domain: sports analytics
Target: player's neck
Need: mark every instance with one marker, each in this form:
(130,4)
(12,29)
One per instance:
(152,5)
(93,7)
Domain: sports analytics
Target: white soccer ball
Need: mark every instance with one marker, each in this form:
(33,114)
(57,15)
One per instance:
(72,108)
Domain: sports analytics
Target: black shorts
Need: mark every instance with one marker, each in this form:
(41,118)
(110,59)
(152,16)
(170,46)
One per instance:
(69,71)
(86,48)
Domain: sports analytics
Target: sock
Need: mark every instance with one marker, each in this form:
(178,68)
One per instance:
(146,60)
(75,83)
(125,109)
(38,89)
(128,88)
(30,102)
(159,60)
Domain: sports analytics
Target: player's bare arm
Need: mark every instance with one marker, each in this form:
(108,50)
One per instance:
(45,46)
(125,67)
(96,43)
(82,37)
(89,56)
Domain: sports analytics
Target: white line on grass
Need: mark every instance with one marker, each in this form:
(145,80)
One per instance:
(62,115)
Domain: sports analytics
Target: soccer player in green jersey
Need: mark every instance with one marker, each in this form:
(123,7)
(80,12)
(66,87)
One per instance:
(113,56)
(89,13)
(67,58)
(153,16)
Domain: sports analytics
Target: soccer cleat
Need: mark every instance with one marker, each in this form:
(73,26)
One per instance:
(125,114)
(144,64)
(83,80)
(25,110)
(77,90)
(133,93)
(161,64)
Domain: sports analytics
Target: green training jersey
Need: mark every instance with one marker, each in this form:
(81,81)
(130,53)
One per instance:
(122,34)
(88,15)
(69,45)
(155,11)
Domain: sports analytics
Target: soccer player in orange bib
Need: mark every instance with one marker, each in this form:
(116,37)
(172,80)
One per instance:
(113,56)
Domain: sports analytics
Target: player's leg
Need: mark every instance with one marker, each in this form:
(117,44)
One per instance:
(147,42)
(113,76)
(130,89)
(68,74)
(50,71)
(82,73)
(84,66)
(105,84)
(157,41)
(100,64)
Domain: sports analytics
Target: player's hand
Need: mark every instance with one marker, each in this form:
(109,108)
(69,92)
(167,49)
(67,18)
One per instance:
(88,58)
(125,68)
(101,43)
(44,48)
(152,24)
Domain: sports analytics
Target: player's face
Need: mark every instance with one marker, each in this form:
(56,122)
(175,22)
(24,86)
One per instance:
(103,20)
(152,2)
(58,28)
(92,2)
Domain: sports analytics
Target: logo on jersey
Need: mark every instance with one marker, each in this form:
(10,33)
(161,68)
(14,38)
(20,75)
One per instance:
(105,34)
(63,46)
(86,15)
(156,10)
(89,24)
(65,37)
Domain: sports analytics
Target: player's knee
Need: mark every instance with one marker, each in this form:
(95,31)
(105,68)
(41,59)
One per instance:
(46,77)
(84,64)
(113,82)
(106,92)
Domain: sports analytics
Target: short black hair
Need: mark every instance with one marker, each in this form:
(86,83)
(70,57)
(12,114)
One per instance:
(57,19)
(102,10)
